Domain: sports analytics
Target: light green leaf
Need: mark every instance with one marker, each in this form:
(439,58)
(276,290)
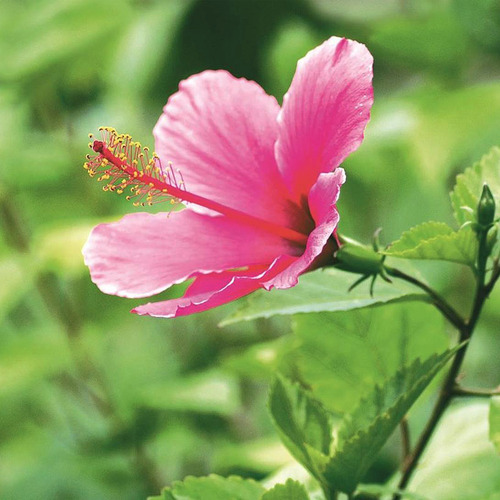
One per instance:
(303,424)
(209,392)
(436,241)
(494,419)
(469,186)
(460,462)
(322,290)
(213,487)
(291,490)
(341,356)
(362,433)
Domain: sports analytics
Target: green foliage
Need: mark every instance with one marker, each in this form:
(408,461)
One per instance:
(494,420)
(316,294)
(291,490)
(212,487)
(341,356)
(307,431)
(436,241)
(303,423)
(361,434)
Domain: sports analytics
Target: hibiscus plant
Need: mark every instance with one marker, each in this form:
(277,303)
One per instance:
(257,186)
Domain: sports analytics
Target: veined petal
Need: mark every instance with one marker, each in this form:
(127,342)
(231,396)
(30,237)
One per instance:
(212,290)
(322,199)
(220,131)
(324,112)
(143,254)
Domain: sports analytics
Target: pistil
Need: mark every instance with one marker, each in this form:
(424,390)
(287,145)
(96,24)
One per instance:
(124,163)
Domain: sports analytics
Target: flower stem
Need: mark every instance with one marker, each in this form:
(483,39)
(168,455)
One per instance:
(459,391)
(465,332)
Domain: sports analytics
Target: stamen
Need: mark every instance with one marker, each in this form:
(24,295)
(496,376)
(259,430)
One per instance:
(125,164)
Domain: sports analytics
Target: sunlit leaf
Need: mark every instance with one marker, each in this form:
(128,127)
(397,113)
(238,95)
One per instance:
(291,490)
(436,241)
(494,420)
(212,487)
(323,290)
(460,462)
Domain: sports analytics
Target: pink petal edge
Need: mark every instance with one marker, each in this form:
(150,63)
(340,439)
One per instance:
(324,112)
(213,290)
(144,254)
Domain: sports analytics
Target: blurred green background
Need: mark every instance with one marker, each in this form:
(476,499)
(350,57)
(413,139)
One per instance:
(98,403)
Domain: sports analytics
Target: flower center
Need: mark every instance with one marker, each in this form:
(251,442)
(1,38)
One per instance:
(125,164)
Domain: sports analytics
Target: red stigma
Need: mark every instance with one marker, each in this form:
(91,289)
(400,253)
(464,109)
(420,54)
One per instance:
(98,146)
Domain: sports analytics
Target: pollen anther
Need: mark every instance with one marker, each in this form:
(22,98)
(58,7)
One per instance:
(124,163)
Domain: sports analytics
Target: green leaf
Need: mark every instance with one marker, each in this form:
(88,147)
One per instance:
(342,355)
(460,463)
(362,433)
(213,487)
(436,241)
(494,419)
(322,290)
(469,185)
(302,422)
(291,490)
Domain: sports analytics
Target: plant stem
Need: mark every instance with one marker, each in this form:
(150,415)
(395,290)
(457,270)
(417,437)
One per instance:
(448,312)
(405,439)
(448,389)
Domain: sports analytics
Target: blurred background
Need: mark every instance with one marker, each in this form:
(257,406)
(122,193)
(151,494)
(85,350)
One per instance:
(98,403)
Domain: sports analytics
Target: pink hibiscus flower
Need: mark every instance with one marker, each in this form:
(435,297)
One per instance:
(261,184)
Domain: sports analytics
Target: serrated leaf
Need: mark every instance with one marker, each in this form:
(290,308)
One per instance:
(342,355)
(494,420)
(213,487)
(302,422)
(469,185)
(436,241)
(291,490)
(322,290)
(362,433)
(460,463)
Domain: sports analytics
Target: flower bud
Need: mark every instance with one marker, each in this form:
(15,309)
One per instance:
(355,257)
(486,207)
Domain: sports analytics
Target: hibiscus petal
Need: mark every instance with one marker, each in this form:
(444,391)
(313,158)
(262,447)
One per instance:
(322,199)
(220,131)
(213,290)
(143,254)
(324,112)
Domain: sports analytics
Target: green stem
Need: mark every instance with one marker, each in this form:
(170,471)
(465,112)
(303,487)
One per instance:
(447,390)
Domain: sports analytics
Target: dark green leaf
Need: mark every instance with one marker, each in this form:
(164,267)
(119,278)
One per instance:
(362,433)
(302,422)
